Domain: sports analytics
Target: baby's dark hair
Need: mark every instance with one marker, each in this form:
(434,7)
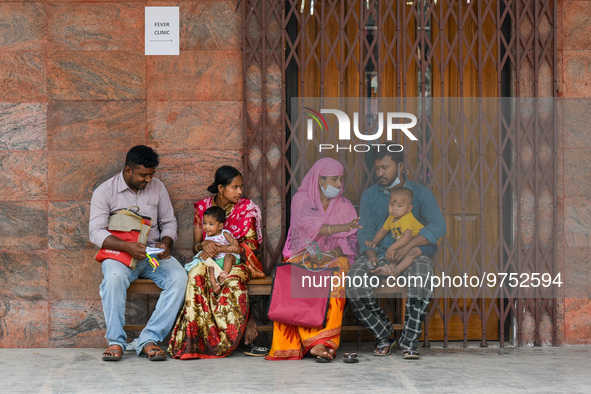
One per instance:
(217,213)
(403,191)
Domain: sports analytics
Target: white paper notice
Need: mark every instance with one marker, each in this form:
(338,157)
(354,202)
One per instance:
(150,250)
(162,30)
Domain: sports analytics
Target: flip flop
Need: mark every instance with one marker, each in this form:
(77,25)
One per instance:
(323,360)
(257,351)
(113,353)
(380,348)
(350,358)
(410,355)
(153,352)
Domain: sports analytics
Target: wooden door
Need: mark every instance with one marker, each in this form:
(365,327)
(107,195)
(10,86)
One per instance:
(465,161)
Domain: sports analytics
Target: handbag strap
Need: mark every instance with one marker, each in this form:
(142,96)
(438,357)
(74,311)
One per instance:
(302,263)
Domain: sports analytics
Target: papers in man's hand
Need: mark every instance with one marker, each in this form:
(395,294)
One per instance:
(152,251)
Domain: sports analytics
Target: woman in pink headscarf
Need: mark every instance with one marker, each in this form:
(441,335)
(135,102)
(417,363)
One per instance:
(321,219)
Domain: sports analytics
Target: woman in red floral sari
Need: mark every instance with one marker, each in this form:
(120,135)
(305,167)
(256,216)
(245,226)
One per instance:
(210,325)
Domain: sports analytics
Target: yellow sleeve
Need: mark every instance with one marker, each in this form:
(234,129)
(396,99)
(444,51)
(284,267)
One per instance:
(408,221)
(388,223)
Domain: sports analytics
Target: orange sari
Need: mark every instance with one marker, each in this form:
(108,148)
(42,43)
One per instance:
(292,342)
(308,215)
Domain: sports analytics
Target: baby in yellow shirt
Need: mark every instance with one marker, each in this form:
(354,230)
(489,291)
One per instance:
(403,226)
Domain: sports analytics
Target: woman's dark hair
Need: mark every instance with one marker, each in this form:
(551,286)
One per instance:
(141,155)
(223,176)
(217,213)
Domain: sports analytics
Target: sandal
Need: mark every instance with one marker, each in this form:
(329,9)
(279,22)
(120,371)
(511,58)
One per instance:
(257,351)
(153,352)
(350,358)
(322,360)
(379,350)
(410,355)
(113,353)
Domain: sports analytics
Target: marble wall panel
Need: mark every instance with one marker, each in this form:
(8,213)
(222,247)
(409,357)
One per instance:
(96,75)
(210,25)
(187,174)
(24,324)
(68,225)
(23,225)
(195,125)
(577,73)
(22,26)
(95,125)
(77,323)
(75,175)
(96,26)
(576,118)
(577,320)
(23,175)
(577,212)
(74,275)
(23,126)
(198,75)
(576,172)
(576,25)
(23,275)
(576,273)
(184,213)
(92,1)
(22,77)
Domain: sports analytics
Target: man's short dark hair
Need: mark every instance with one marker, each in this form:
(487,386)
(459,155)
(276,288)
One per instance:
(217,213)
(142,155)
(398,157)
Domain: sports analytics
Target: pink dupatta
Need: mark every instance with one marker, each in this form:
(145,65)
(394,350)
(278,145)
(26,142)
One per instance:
(308,215)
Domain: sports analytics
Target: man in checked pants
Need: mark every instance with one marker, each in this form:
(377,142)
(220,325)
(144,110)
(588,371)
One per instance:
(389,168)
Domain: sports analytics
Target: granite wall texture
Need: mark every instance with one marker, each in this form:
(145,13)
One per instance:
(574,188)
(76,91)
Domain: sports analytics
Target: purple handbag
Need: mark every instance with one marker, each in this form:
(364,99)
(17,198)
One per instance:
(298,295)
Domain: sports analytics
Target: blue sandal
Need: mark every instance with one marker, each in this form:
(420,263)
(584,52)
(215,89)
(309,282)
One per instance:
(379,350)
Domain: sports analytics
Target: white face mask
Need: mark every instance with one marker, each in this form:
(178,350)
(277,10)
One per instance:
(396,181)
(330,191)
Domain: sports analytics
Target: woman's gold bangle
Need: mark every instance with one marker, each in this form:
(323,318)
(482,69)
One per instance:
(329,233)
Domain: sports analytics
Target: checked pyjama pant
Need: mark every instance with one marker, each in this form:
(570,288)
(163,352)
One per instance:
(367,310)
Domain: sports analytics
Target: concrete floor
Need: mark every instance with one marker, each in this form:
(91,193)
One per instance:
(547,369)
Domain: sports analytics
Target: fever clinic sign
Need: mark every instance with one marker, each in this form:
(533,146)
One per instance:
(162,30)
